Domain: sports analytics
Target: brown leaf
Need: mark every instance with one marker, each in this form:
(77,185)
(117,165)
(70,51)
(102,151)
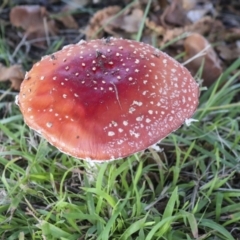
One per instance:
(228,52)
(13,73)
(193,45)
(174,15)
(157,29)
(121,25)
(203,26)
(129,21)
(66,18)
(34,20)
(98,20)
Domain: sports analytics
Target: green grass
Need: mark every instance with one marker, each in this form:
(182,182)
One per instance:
(189,191)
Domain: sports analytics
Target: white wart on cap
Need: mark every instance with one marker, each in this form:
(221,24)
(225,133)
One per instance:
(107,99)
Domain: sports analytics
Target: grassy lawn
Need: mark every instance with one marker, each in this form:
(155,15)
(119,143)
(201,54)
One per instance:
(189,190)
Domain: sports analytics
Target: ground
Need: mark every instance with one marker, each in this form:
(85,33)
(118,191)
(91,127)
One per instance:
(187,190)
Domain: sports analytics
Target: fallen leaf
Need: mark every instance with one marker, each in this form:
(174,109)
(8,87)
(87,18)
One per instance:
(204,26)
(73,4)
(199,12)
(96,24)
(129,21)
(228,52)
(13,73)
(174,15)
(66,18)
(157,29)
(34,20)
(195,44)
(109,22)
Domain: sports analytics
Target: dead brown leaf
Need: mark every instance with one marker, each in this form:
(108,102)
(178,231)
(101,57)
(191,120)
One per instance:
(194,44)
(174,15)
(124,24)
(129,21)
(34,20)
(66,18)
(13,73)
(203,26)
(228,52)
(96,24)
(157,29)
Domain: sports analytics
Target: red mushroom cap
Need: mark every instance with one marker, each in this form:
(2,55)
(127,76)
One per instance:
(107,99)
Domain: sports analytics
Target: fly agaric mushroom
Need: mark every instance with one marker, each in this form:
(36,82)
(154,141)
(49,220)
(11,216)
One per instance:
(108,98)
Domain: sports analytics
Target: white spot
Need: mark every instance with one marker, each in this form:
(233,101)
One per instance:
(131,110)
(132,133)
(114,124)
(130,78)
(67,67)
(148,120)
(119,142)
(145,81)
(137,103)
(94,68)
(137,61)
(152,64)
(54,78)
(111,133)
(49,124)
(139,119)
(42,78)
(83,64)
(125,123)
(64,95)
(150,111)
(136,70)
(81,42)
(120,130)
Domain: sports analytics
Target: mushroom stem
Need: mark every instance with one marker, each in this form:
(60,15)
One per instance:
(92,170)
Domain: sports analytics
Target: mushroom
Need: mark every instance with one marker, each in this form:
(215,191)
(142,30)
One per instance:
(108,98)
